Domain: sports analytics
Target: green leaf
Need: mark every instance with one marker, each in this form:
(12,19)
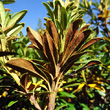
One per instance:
(16,29)
(8,1)
(12,103)
(61,106)
(7,18)
(85,107)
(66,94)
(50,12)
(17,17)
(2,13)
(63,17)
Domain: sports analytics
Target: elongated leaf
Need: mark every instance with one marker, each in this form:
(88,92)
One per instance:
(76,43)
(96,86)
(80,40)
(16,30)
(24,80)
(7,53)
(7,18)
(53,32)
(35,38)
(12,103)
(70,35)
(61,106)
(63,18)
(8,1)
(2,13)
(89,43)
(49,49)
(24,66)
(65,94)
(50,12)
(88,64)
(17,17)
(67,65)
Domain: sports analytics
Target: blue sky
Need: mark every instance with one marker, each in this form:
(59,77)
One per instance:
(35,10)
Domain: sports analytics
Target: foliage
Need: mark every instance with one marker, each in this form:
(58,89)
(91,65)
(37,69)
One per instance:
(59,54)
(58,69)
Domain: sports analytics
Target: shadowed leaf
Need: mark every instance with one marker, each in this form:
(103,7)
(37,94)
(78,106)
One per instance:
(49,49)
(24,80)
(7,53)
(89,64)
(71,61)
(24,66)
(53,32)
(71,32)
(75,44)
(89,43)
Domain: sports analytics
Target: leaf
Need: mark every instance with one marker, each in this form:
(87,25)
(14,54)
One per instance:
(7,53)
(61,106)
(24,66)
(16,30)
(49,49)
(7,18)
(24,80)
(12,103)
(8,2)
(2,14)
(66,94)
(85,107)
(50,27)
(88,64)
(67,65)
(63,18)
(50,12)
(89,43)
(17,17)
(70,36)
(96,86)
(35,38)
(80,87)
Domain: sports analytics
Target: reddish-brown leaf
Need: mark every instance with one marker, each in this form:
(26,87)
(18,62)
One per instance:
(67,65)
(49,49)
(24,80)
(53,32)
(71,32)
(83,29)
(91,63)
(24,66)
(89,43)
(75,44)
(35,38)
